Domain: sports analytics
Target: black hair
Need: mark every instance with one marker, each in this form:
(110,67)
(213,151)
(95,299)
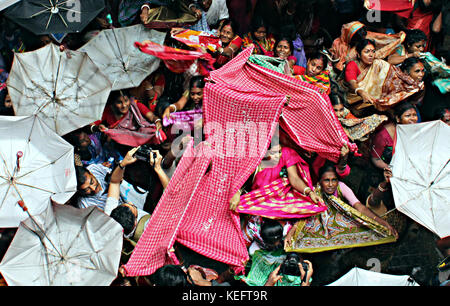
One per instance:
(290,42)
(125,217)
(257,22)
(336,99)
(271,231)
(320,55)
(409,62)
(81,179)
(327,167)
(169,275)
(116,94)
(440,112)
(197,81)
(401,108)
(363,43)
(231,23)
(358,36)
(413,36)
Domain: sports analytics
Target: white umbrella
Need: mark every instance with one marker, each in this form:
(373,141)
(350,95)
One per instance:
(64,246)
(66,89)
(421,174)
(45,169)
(361,277)
(114,52)
(7,3)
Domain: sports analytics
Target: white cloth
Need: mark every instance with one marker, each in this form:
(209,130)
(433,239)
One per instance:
(217,11)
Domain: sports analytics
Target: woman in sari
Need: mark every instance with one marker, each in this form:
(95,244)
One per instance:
(263,43)
(190,103)
(347,223)
(375,82)
(128,122)
(415,43)
(384,140)
(315,72)
(357,129)
(230,44)
(343,47)
(284,48)
(281,188)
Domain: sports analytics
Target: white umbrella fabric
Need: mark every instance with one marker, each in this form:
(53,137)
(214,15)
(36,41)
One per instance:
(35,165)
(64,246)
(361,277)
(421,174)
(7,3)
(113,51)
(66,89)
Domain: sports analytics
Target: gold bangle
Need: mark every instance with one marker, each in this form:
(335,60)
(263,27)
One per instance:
(306,190)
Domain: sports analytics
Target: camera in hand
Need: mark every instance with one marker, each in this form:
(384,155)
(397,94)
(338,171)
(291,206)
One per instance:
(143,153)
(290,265)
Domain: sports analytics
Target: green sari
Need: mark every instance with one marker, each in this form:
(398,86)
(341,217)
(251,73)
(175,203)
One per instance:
(339,227)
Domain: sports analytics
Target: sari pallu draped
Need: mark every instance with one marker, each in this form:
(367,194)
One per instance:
(134,130)
(278,200)
(321,80)
(184,120)
(340,226)
(359,129)
(386,83)
(262,48)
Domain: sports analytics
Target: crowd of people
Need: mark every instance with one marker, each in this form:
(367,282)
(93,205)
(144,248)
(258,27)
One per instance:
(377,75)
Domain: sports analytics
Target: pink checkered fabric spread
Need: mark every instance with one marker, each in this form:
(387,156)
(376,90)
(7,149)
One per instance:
(309,117)
(194,209)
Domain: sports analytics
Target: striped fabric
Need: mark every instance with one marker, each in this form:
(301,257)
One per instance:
(309,118)
(194,209)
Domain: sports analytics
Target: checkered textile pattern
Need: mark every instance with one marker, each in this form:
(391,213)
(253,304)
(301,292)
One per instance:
(194,209)
(152,249)
(176,60)
(309,118)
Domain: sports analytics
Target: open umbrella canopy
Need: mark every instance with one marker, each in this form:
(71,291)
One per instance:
(421,174)
(361,277)
(64,246)
(113,51)
(35,165)
(54,16)
(66,89)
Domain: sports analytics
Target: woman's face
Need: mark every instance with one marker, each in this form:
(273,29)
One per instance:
(196,94)
(368,54)
(283,49)
(260,33)
(408,117)
(84,140)
(122,105)
(417,72)
(226,34)
(446,117)
(329,182)
(314,67)
(8,102)
(417,47)
(339,110)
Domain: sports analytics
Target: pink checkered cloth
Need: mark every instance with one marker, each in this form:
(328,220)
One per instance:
(194,209)
(309,117)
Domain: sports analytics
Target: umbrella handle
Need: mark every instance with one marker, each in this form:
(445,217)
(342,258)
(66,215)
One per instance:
(18,156)
(22,205)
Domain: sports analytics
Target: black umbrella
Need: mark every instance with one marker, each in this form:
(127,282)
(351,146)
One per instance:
(54,16)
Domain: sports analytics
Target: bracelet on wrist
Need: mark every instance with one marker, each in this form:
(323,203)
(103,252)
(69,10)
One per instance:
(121,167)
(174,107)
